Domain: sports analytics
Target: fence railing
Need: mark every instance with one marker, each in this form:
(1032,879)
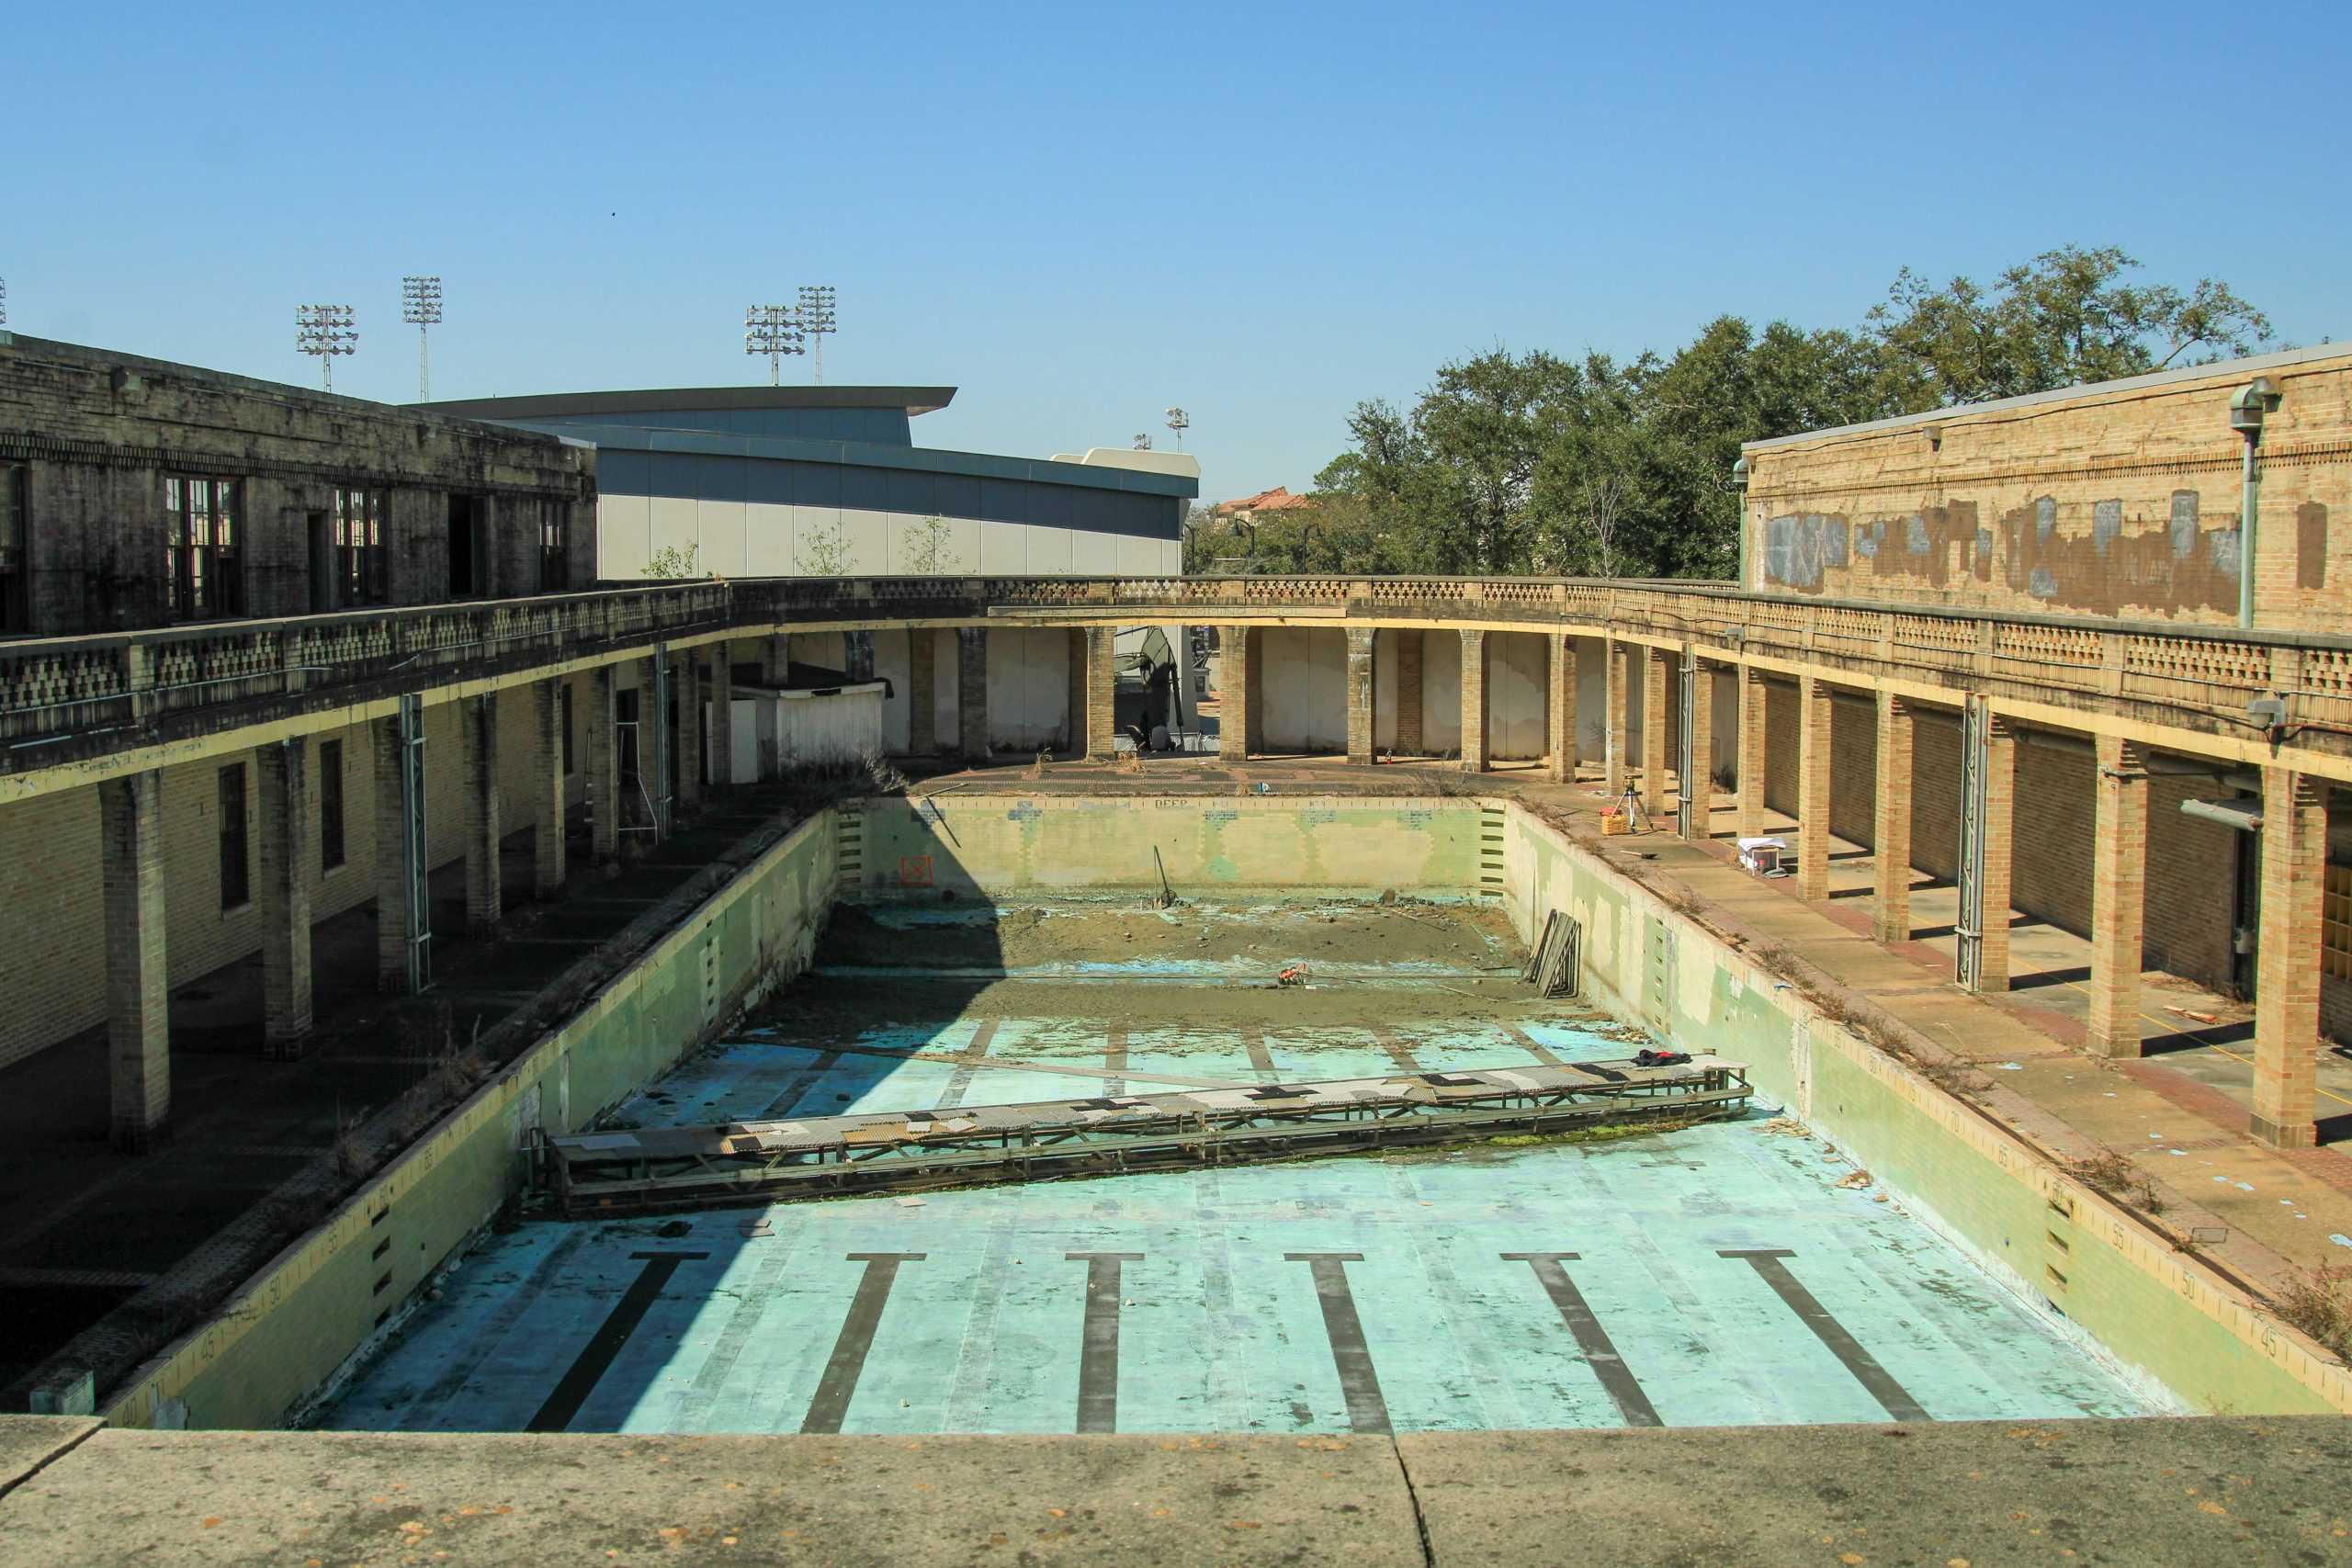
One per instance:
(69,687)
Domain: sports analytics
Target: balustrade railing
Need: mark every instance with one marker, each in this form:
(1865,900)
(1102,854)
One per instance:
(59,688)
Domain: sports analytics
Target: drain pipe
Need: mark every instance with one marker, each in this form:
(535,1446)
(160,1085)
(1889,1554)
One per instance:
(2251,401)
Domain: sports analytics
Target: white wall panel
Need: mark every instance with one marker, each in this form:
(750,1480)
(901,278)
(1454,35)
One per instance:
(723,529)
(1028,687)
(624,535)
(891,664)
(1515,679)
(1303,687)
(1441,692)
(1004,549)
(945,686)
(768,548)
(1093,555)
(1050,549)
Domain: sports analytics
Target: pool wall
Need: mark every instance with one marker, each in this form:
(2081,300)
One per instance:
(283,1338)
(2176,1326)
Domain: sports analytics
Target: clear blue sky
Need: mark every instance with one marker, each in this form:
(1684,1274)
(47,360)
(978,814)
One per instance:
(1082,215)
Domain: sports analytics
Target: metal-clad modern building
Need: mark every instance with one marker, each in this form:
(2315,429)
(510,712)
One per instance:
(780,481)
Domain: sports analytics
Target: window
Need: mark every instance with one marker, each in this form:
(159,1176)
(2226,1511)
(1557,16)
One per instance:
(330,805)
(16,570)
(203,574)
(236,887)
(555,552)
(358,544)
(563,719)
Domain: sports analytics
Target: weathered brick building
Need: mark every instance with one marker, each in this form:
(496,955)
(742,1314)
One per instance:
(136,493)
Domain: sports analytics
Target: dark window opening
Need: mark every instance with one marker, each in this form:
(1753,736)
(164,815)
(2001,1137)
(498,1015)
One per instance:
(469,547)
(564,721)
(237,886)
(203,561)
(330,805)
(16,567)
(555,547)
(359,554)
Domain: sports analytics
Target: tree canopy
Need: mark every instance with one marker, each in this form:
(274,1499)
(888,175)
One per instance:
(1532,464)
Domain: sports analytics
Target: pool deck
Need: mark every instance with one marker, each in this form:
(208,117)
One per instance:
(2150,1493)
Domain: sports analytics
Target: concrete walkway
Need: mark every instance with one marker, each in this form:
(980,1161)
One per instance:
(2143,1493)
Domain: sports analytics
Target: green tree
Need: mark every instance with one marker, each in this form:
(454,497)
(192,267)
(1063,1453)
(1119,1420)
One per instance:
(930,548)
(672,563)
(823,552)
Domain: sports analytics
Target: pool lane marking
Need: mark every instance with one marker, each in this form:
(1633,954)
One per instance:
(1534,1047)
(1262,1062)
(571,1389)
(1397,1051)
(960,1082)
(1098,1357)
(1766,1260)
(1600,1352)
(847,1364)
(1115,1061)
(802,1082)
(1351,1356)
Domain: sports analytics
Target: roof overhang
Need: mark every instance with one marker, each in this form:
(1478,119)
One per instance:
(909,400)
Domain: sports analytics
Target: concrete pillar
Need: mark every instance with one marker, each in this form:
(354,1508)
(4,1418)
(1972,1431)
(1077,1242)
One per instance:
(1615,723)
(1099,691)
(598,729)
(1749,823)
(1814,708)
(1560,708)
(289,844)
(1891,823)
(972,693)
(1474,701)
(139,1032)
(1410,741)
(2287,961)
(1361,684)
(720,691)
(923,699)
(857,656)
(653,761)
(775,658)
(1657,735)
(1233,678)
(2118,887)
(686,693)
(395,922)
(477,724)
(2000,844)
(1698,778)
(546,788)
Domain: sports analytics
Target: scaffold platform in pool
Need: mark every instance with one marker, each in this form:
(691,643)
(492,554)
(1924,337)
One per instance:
(764,1162)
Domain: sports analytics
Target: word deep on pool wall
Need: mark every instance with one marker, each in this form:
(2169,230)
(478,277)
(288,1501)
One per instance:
(988,844)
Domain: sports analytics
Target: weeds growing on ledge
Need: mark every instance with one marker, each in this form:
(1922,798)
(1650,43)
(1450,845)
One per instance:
(2111,1172)
(2319,1304)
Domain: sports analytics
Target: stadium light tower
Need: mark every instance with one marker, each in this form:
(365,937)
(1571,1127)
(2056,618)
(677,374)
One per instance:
(774,331)
(1178,422)
(4,301)
(1143,441)
(326,331)
(816,321)
(420,305)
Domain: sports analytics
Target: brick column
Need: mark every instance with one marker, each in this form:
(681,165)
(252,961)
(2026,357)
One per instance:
(138,1030)
(1410,734)
(1234,676)
(2118,886)
(1750,761)
(972,693)
(1100,691)
(546,788)
(1613,718)
(1698,777)
(2286,974)
(394,920)
(288,846)
(478,725)
(1891,823)
(1655,735)
(723,717)
(1474,701)
(1560,708)
(923,700)
(1812,788)
(685,691)
(1361,691)
(598,729)
(2000,844)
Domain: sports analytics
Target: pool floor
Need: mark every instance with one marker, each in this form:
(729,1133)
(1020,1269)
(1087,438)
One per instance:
(1714,1275)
